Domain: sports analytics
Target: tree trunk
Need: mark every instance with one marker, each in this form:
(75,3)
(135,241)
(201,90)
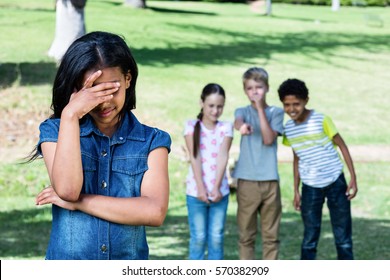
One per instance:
(70,25)
(139,4)
(335,5)
(268,7)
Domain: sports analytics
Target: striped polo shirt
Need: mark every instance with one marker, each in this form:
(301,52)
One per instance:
(319,162)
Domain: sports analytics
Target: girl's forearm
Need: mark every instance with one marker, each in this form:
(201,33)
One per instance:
(123,210)
(149,209)
(197,171)
(67,175)
(221,169)
(222,160)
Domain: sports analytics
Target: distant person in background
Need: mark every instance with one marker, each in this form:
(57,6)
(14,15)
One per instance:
(258,190)
(208,141)
(108,172)
(314,140)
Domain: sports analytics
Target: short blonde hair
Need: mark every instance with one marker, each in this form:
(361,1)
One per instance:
(257,74)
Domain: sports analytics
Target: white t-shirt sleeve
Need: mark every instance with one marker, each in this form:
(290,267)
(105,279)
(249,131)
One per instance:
(229,129)
(189,127)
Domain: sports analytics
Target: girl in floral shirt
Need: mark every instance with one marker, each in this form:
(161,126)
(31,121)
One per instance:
(208,141)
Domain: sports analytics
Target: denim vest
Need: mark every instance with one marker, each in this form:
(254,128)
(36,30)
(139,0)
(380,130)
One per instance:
(112,167)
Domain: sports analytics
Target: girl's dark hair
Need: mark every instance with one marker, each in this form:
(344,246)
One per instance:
(209,89)
(91,52)
(293,87)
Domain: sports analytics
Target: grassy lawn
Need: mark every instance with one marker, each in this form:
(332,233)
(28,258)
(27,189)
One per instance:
(180,46)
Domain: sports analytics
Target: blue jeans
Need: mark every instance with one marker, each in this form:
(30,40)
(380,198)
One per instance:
(207,226)
(340,217)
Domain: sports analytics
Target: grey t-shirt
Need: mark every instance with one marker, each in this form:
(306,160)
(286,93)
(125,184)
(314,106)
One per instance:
(258,162)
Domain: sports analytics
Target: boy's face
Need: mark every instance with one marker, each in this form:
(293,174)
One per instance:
(255,89)
(295,108)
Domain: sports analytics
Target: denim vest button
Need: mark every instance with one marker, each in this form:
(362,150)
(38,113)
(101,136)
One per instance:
(104,184)
(103,248)
(121,138)
(103,153)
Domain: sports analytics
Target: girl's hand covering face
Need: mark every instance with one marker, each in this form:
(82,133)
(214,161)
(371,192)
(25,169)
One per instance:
(90,96)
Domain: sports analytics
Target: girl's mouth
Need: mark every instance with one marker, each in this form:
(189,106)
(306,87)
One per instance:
(105,113)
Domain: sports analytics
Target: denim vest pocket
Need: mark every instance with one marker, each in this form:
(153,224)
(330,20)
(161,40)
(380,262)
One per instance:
(90,167)
(128,171)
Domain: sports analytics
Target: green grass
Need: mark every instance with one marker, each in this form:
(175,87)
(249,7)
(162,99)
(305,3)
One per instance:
(370,210)
(25,228)
(181,46)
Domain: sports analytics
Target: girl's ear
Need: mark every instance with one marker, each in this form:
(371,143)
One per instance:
(128,79)
(201,103)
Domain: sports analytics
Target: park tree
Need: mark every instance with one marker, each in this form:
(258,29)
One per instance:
(258,6)
(136,3)
(268,7)
(70,25)
(335,5)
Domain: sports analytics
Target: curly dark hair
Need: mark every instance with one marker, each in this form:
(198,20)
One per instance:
(293,87)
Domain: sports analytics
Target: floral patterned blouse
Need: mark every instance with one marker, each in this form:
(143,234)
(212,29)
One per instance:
(210,142)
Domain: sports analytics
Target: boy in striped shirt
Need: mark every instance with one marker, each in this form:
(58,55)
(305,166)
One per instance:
(313,138)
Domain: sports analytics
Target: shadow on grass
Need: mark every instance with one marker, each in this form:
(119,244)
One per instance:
(17,7)
(24,235)
(117,3)
(27,73)
(170,242)
(241,48)
(245,47)
(176,11)
(306,19)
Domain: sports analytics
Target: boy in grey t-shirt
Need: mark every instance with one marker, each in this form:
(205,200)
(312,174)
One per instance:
(258,188)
